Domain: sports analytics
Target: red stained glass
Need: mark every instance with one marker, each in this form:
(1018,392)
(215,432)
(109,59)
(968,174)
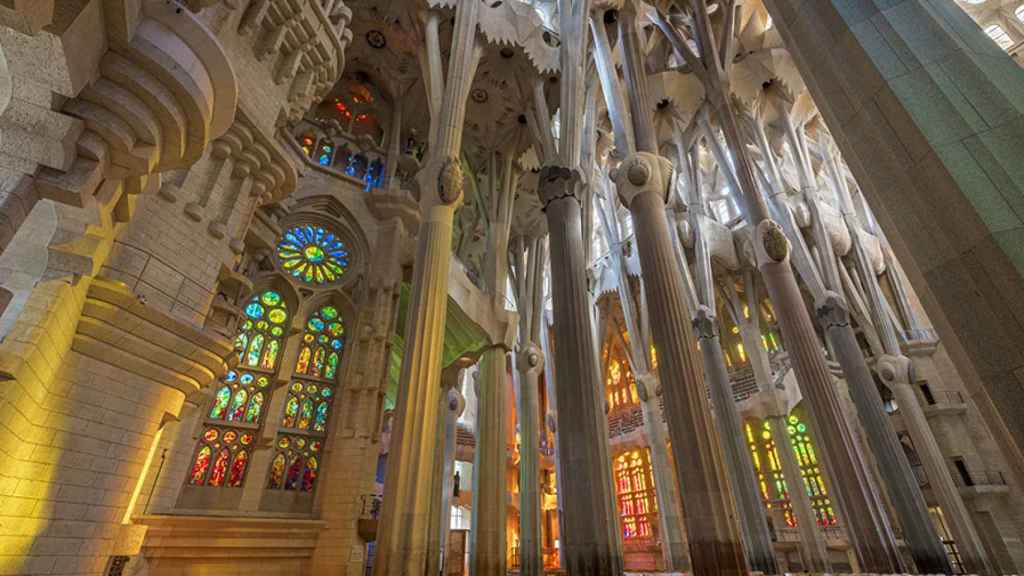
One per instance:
(220,468)
(202,462)
(238,469)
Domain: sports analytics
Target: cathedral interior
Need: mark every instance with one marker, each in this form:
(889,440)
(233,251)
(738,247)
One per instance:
(492,287)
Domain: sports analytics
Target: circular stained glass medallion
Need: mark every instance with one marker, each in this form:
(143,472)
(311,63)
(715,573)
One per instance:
(312,254)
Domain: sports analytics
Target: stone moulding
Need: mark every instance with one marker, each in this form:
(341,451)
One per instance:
(118,328)
(195,538)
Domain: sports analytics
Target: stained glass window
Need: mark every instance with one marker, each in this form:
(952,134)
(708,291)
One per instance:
(321,344)
(296,464)
(241,398)
(634,487)
(222,454)
(308,406)
(620,384)
(221,458)
(312,254)
(259,340)
(769,468)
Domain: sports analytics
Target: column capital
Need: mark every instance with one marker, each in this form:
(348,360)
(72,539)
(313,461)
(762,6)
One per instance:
(643,172)
(894,370)
(443,177)
(832,310)
(556,183)
(705,324)
(530,359)
(770,243)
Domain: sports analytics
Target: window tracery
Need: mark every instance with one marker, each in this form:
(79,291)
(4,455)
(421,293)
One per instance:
(765,455)
(634,486)
(312,254)
(304,420)
(221,458)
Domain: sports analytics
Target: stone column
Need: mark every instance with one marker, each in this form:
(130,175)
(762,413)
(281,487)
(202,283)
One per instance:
(757,540)
(812,541)
(951,155)
(530,364)
(644,182)
(673,543)
(456,404)
(487,534)
(408,492)
(582,433)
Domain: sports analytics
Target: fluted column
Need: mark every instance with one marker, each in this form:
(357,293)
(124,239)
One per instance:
(712,534)
(487,534)
(582,434)
(904,492)
(530,363)
(644,182)
(757,540)
(409,489)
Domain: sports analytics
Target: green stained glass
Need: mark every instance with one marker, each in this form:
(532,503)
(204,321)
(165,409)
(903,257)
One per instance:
(220,403)
(320,422)
(270,298)
(312,254)
(332,365)
(252,413)
(329,312)
(315,324)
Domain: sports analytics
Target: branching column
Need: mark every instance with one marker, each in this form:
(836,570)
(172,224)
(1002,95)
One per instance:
(409,491)
(529,363)
(643,182)
(868,529)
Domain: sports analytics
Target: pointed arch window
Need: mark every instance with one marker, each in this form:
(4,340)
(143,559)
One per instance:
(765,454)
(307,409)
(259,341)
(221,458)
(634,486)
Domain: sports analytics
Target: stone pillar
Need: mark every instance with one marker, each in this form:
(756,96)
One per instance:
(644,183)
(757,540)
(895,372)
(582,434)
(918,530)
(402,536)
(530,363)
(456,403)
(812,541)
(951,155)
(487,534)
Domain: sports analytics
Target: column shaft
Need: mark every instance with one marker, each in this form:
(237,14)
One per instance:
(409,487)
(531,558)
(918,530)
(863,517)
(583,465)
(757,541)
(713,540)
(487,537)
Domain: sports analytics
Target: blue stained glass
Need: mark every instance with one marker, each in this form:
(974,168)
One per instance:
(254,310)
(246,379)
(231,376)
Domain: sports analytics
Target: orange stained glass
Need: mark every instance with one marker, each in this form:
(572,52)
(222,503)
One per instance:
(634,482)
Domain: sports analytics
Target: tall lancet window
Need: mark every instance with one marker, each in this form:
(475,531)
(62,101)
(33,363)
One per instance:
(235,413)
(774,487)
(297,460)
(634,487)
